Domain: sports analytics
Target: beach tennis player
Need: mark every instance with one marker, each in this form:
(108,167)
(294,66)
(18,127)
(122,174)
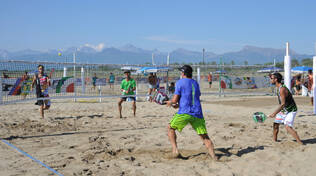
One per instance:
(152,85)
(111,80)
(42,82)
(128,86)
(286,111)
(187,98)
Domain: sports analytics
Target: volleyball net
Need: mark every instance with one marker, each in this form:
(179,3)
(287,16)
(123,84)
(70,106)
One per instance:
(74,80)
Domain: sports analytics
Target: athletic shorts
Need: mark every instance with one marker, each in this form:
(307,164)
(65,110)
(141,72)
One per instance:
(47,103)
(210,82)
(179,121)
(311,93)
(150,86)
(131,98)
(286,119)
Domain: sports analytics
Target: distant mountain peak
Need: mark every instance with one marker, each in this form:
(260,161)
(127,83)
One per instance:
(131,48)
(129,53)
(91,48)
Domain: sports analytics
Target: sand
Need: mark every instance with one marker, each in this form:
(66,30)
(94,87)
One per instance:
(89,139)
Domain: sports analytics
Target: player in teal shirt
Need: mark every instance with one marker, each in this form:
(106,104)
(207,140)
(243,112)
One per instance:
(111,80)
(128,86)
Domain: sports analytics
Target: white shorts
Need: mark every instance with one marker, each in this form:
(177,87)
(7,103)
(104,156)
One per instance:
(311,93)
(286,119)
(151,86)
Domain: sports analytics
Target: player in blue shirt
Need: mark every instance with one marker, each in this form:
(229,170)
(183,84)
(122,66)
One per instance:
(187,99)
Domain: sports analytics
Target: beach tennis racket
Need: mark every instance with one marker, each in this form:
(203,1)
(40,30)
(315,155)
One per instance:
(259,117)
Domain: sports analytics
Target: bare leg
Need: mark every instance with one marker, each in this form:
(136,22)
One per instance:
(173,140)
(134,108)
(294,134)
(120,107)
(149,94)
(209,145)
(42,110)
(275,131)
(46,107)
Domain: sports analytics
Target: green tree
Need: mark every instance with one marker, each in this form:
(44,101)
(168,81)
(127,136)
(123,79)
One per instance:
(232,62)
(268,63)
(307,62)
(213,63)
(245,62)
(295,63)
(279,64)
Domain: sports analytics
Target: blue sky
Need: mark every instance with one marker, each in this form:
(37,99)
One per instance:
(217,26)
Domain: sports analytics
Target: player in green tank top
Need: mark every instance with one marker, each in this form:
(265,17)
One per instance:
(286,111)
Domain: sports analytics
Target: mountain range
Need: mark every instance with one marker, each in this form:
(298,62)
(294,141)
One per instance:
(130,54)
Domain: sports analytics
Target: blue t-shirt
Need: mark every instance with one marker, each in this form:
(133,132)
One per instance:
(189,102)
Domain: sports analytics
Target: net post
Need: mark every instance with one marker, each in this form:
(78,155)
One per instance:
(136,91)
(313,90)
(220,79)
(74,59)
(65,72)
(100,93)
(82,81)
(198,75)
(1,88)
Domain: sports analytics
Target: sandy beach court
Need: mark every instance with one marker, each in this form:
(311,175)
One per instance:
(89,139)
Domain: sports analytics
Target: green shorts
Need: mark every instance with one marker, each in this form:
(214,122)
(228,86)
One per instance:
(179,121)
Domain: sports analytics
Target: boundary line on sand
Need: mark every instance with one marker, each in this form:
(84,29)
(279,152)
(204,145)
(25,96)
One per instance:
(34,159)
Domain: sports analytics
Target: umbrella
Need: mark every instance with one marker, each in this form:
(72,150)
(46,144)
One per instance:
(131,68)
(153,69)
(301,69)
(270,69)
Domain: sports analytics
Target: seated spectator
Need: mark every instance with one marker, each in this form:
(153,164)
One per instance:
(171,88)
(298,85)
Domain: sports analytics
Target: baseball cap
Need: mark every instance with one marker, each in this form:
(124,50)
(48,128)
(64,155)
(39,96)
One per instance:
(127,71)
(186,69)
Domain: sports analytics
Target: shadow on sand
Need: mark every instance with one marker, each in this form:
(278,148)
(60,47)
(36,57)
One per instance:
(309,141)
(228,151)
(223,153)
(77,117)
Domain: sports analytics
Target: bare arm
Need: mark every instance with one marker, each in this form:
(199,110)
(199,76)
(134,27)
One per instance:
(174,102)
(33,82)
(48,81)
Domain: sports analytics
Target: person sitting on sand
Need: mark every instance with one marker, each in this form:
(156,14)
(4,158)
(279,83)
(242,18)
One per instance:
(128,86)
(187,99)
(298,85)
(286,112)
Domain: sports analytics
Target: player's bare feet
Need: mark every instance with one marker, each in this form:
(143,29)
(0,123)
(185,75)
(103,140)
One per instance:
(215,158)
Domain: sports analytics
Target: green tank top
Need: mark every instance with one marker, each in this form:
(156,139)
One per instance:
(290,105)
